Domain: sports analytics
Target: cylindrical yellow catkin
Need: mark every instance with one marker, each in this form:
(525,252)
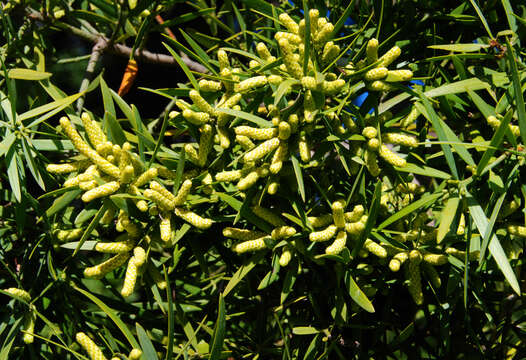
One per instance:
(114,247)
(183,192)
(201,103)
(286,256)
(400,139)
(93,130)
(304,149)
(229,176)
(290,62)
(410,118)
(101,191)
(196,118)
(261,150)
(390,56)
(432,274)
(29,326)
(435,259)
(242,234)
(145,177)
(94,352)
(399,75)
(283,232)
(414,278)
(320,221)
(210,85)
(338,245)
(338,213)
(159,199)
(324,235)
(517,230)
(391,157)
(290,24)
(165,227)
(135,354)
(250,84)
(375,248)
(376,74)
(255,133)
(370,162)
(251,245)
(356,214)
(277,159)
(194,219)
(130,278)
(372,51)
(67,168)
(102,269)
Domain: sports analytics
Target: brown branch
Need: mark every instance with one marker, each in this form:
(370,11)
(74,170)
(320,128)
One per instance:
(120,49)
(97,50)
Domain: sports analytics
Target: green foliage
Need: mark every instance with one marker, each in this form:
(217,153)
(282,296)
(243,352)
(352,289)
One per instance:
(266,210)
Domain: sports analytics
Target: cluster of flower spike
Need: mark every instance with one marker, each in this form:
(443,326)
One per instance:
(95,353)
(339,224)
(252,240)
(107,169)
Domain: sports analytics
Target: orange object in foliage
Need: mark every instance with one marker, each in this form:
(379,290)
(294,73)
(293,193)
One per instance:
(129,77)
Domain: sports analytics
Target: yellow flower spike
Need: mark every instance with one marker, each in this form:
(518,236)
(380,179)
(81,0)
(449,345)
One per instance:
(370,163)
(286,256)
(255,133)
(182,105)
(130,278)
(162,201)
(293,67)
(103,164)
(399,75)
(224,140)
(375,248)
(131,228)
(290,24)
(379,85)
(274,79)
(435,259)
(250,245)
(98,271)
(165,227)
(323,34)
(248,181)
(390,56)
(461,225)
(251,84)
(88,185)
(304,149)
(324,235)
(462,254)
(201,103)
(166,173)
(223,59)
(273,188)
(414,278)
(410,188)
(183,192)
(191,154)
(398,260)
(284,130)
(314,15)
(226,73)
(139,255)
(268,215)
(205,144)
(369,132)
(67,167)
(20,293)
(338,245)
(145,177)
(320,221)
(261,150)
(373,144)
(242,234)
(69,235)
(277,159)
(338,213)
(399,139)
(94,352)
(291,38)
(495,123)
(154,185)
(409,236)
(330,52)
(355,228)
(114,247)
(196,118)
(301,28)
(333,87)
(309,107)
(376,74)
(410,118)
(263,51)
(228,176)
(282,232)
(194,219)
(432,275)
(127,174)
(29,326)
(135,354)
(210,85)
(391,157)
(101,191)
(372,51)
(93,130)
(293,121)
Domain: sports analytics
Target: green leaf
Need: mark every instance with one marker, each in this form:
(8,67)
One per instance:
(341,21)
(115,132)
(183,66)
(247,116)
(242,272)
(61,104)
(107,98)
(12,173)
(219,331)
(26,74)
(282,90)
(424,201)
(148,351)
(304,330)
(30,156)
(299,176)
(374,209)
(495,248)
(424,171)
(460,47)
(63,201)
(356,293)
(94,222)
(482,18)
(111,314)
(308,35)
(446,217)
(518,93)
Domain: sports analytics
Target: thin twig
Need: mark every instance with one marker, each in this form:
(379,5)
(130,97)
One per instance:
(119,49)
(97,50)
